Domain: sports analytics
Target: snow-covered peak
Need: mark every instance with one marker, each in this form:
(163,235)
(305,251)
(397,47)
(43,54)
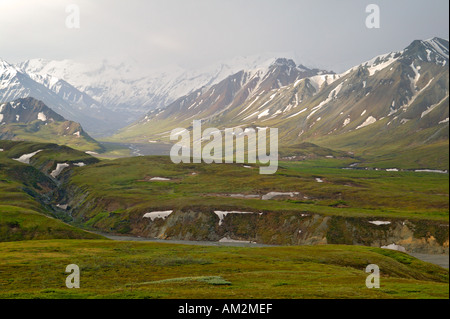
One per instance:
(438,45)
(7,69)
(126,86)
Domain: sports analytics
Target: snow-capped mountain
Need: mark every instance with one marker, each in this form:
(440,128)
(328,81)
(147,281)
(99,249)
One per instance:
(27,110)
(229,94)
(31,120)
(124,87)
(399,99)
(56,93)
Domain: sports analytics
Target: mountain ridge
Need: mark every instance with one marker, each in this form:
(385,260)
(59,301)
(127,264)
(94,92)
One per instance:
(398,98)
(32,120)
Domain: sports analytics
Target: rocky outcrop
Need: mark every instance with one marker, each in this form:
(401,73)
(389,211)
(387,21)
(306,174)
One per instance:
(416,236)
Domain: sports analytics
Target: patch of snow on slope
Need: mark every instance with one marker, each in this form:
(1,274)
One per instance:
(333,94)
(379,63)
(81,164)
(370,120)
(160,179)
(222,214)
(318,80)
(378,223)
(413,98)
(271,195)
(41,116)
(346,122)
(155,215)
(416,76)
(437,47)
(59,168)
(263,114)
(270,99)
(432,107)
(251,115)
(298,113)
(26,157)
(256,99)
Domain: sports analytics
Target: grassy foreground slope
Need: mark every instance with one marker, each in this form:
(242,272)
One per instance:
(24,189)
(36,269)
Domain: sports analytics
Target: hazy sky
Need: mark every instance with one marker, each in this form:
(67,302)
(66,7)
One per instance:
(192,33)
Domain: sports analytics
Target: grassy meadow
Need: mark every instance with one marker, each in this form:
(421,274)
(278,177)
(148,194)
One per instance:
(108,269)
(37,241)
(123,187)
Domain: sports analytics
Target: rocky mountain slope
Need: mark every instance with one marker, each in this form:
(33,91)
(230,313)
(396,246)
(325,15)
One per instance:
(31,120)
(396,101)
(217,101)
(125,87)
(57,94)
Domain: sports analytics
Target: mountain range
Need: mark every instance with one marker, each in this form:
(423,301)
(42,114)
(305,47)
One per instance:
(128,92)
(394,103)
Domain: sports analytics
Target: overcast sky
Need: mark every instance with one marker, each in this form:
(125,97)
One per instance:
(192,33)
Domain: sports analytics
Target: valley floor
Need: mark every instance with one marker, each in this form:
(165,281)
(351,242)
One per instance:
(48,222)
(110,269)
(437,259)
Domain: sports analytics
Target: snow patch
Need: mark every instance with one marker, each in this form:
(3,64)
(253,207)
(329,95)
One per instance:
(444,121)
(26,157)
(298,113)
(272,195)
(155,215)
(222,214)
(370,120)
(81,164)
(256,99)
(379,222)
(382,62)
(431,171)
(59,168)
(333,94)
(159,179)
(41,116)
(263,114)
(346,122)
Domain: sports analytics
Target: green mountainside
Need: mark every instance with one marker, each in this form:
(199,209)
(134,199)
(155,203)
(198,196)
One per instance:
(31,120)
